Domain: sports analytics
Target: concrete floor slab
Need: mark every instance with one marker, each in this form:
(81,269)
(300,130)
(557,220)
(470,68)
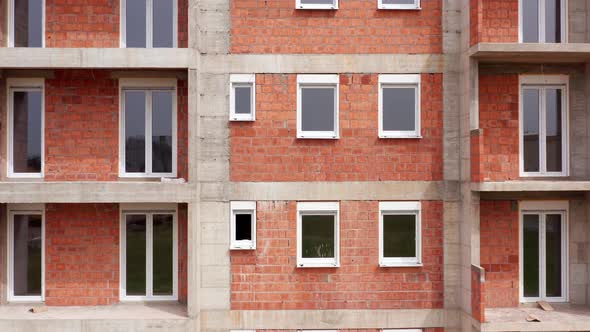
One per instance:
(565,317)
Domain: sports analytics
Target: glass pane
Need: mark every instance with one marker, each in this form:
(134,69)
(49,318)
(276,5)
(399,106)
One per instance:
(134,131)
(530,21)
(27,118)
(243,99)
(27,255)
(135,254)
(162,132)
(28,23)
(398,2)
(530,258)
(530,108)
(243,226)
(554,157)
(399,109)
(399,236)
(552,21)
(317,236)
(163,23)
(163,254)
(135,23)
(553,255)
(317,109)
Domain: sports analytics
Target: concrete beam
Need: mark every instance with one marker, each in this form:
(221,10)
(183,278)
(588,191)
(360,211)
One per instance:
(533,185)
(531,53)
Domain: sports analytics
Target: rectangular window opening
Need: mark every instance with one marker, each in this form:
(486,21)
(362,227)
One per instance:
(399,106)
(400,234)
(318,234)
(242,97)
(243,225)
(27,20)
(317,106)
(149,23)
(542,21)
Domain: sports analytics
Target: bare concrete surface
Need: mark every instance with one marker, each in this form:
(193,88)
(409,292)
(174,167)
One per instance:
(117,311)
(565,317)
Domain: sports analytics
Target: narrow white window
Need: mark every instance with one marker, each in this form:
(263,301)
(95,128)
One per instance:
(399,106)
(316,4)
(317,106)
(400,234)
(148,128)
(242,97)
(26,26)
(26,127)
(26,237)
(318,234)
(243,225)
(543,126)
(542,21)
(149,23)
(149,253)
(398,4)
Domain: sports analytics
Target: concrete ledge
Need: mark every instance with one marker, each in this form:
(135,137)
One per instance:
(565,318)
(530,53)
(532,185)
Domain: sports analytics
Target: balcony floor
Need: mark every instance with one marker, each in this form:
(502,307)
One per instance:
(565,317)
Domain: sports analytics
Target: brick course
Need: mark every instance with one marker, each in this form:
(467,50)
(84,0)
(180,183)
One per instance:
(493,21)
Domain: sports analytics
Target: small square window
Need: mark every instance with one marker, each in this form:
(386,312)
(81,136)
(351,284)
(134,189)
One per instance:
(316,4)
(242,98)
(399,106)
(399,4)
(399,234)
(243,225)
(318,234)
(317,106)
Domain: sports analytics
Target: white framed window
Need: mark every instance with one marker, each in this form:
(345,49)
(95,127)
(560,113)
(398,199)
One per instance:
(398,4)
(400,234)
(316,4)
(544,147)
(149,252)
(243,225)
(26,27)
(317,106)
(149,23)
(542,21)
(399,106)
(402,330)
(242,97)
(543,251)
(148,129)
(26,127)
(318,234)
(26,253)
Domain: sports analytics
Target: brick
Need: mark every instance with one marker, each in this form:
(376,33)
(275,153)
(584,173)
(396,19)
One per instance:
(493,21)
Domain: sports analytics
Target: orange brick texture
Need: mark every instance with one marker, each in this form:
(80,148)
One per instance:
(493,21)
(261,26)
(494,148)
(478,293)
(499,252)
(268,149)
(267,278)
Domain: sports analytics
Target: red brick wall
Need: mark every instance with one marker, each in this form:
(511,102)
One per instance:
(478,294)
(497,144)
(182,128)
(499,252)
(261,26)
(82,254)
(268,150)
(267,278)
(493,21)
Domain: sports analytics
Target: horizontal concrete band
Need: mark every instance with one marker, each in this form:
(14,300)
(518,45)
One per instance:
(532,185)
(530,52)
(95,325)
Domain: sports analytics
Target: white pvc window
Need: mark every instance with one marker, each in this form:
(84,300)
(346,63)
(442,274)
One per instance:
(149,253)
(242,97)
(542,21)
(400,234)
(317,106)
(26,26)
(316,4)
(26,253)
(243,225)
(149,23)
(318,234)
(26,129)
(544,149)
(399,106)
(398,4)
(148,137)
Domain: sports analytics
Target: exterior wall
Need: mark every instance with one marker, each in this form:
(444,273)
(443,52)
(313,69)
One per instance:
(182,253)
(268,150)
(493,21)
(430,329)
(478,293)
(267,278)
(357,26)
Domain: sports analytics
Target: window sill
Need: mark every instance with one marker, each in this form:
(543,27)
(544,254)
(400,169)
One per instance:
(317,265)
(242,247)
(391,264)
(317,7)
(318,137)
(400,136)
(399,7)
(235,119)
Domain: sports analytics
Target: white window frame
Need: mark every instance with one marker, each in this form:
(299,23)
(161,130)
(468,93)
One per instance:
(242,207)
(541,15)
(26,85)
(148,85)
(542,82)
(149,21)
(149,210)
(400,81)
(318,208)
(24,209)
(543,208)
(333,6)
(401,208)
(415,5)
(11,24)
(318,81)
(242,80)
